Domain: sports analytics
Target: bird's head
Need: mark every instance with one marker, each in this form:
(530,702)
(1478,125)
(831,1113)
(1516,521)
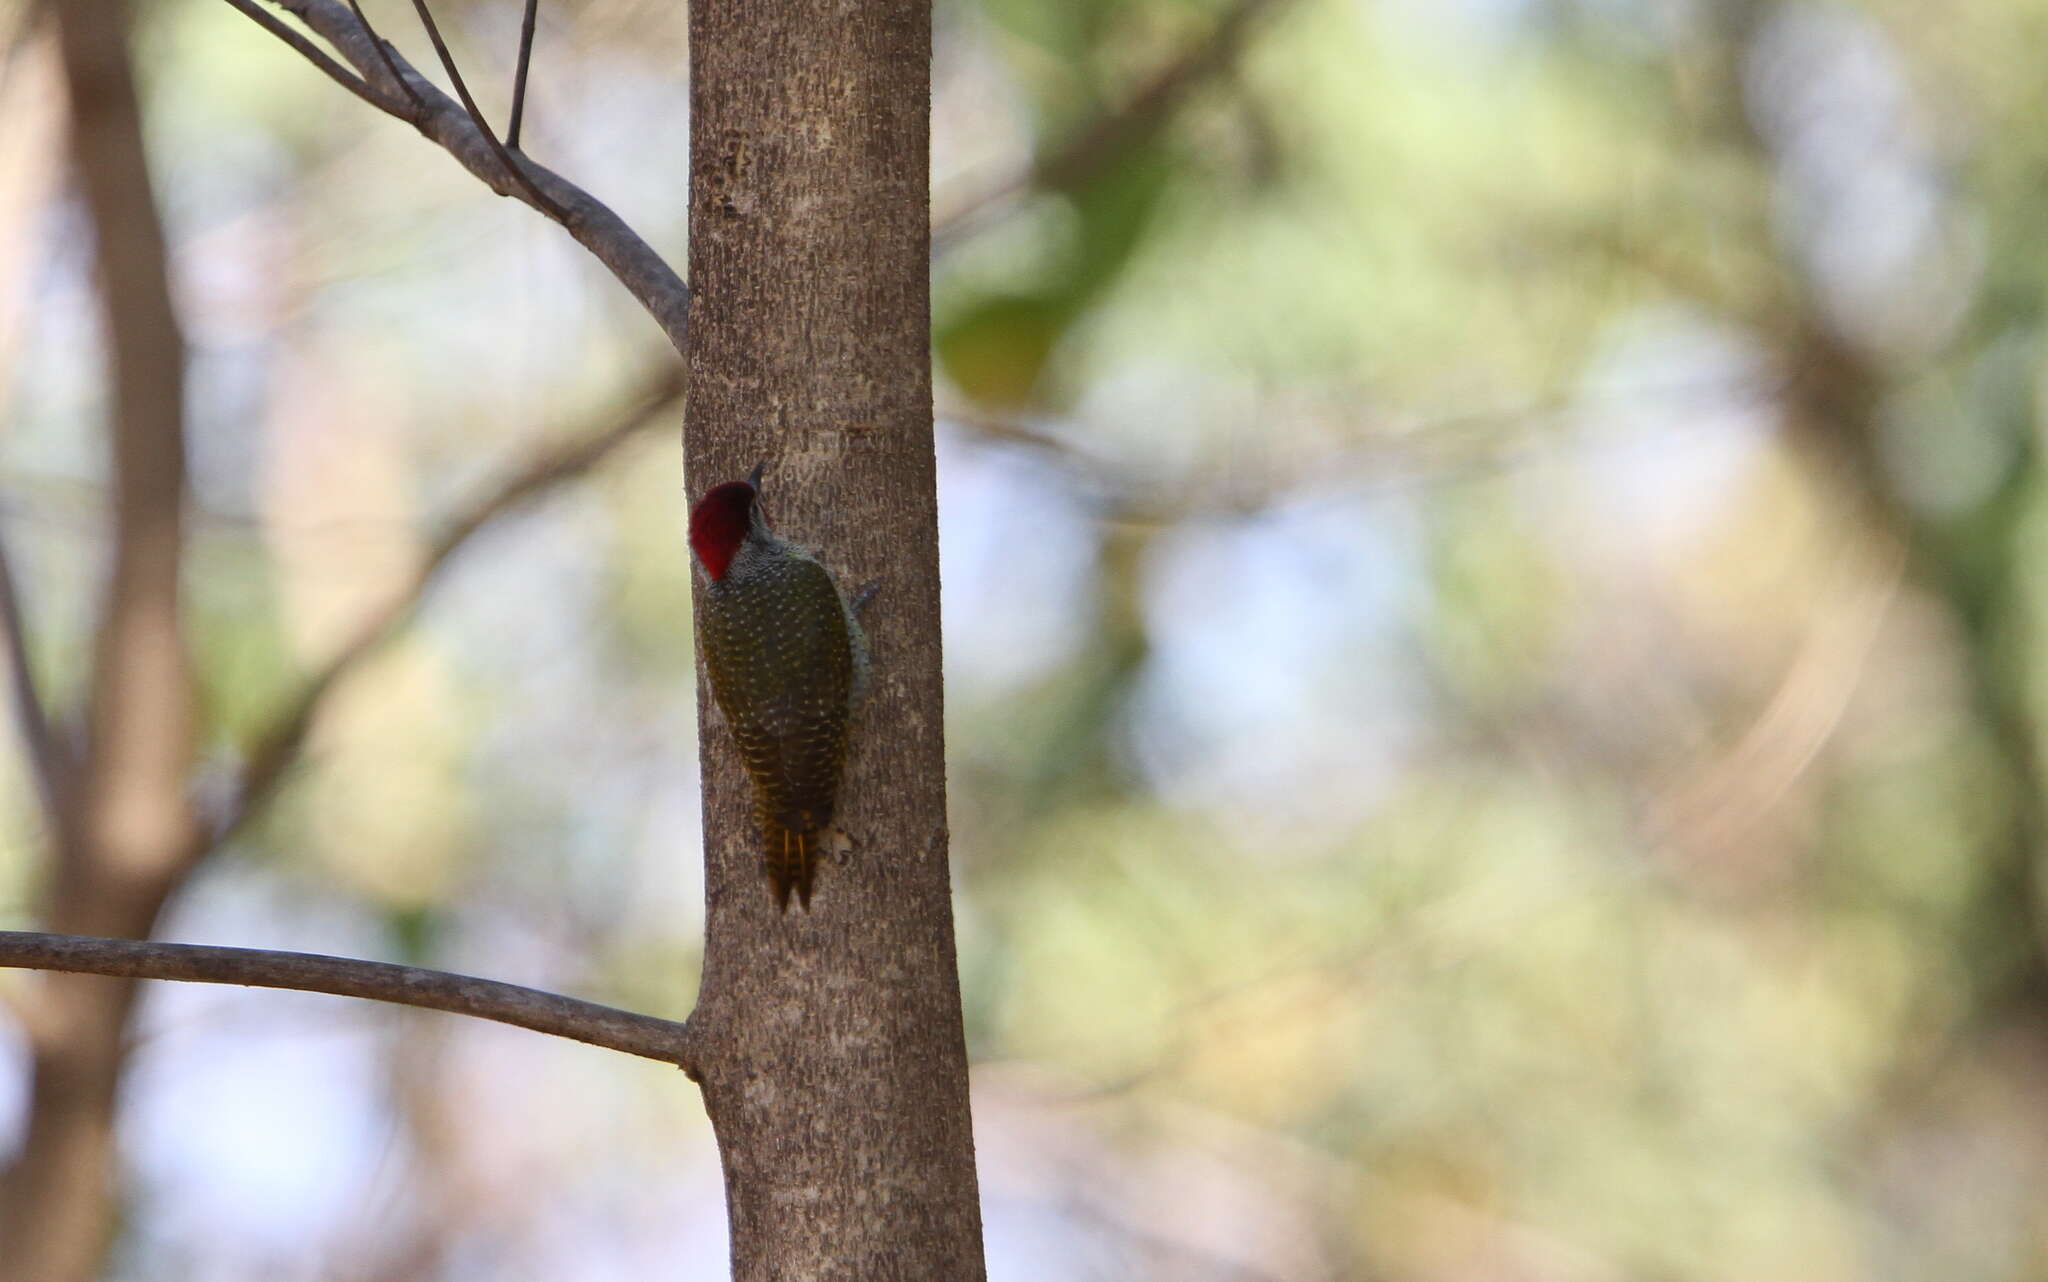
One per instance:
(726,517)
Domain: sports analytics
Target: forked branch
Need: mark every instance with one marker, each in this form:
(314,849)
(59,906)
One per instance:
(539,198)
(383,78)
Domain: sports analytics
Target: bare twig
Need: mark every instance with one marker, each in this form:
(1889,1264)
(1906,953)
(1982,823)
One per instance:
(519,76)
(311,53)
(476,116)
(543,1012)
(384,48)
(415,100)
(278,747)
(48,756)
(1097,147)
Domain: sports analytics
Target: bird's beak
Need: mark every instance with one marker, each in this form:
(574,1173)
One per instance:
(754,477)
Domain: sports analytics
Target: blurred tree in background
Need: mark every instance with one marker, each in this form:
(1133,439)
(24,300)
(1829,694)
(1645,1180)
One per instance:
(1493,550)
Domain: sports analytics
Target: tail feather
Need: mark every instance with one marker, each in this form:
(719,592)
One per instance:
(790,862)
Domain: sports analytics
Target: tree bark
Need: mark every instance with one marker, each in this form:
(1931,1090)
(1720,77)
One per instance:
(832,1057)
(124,834)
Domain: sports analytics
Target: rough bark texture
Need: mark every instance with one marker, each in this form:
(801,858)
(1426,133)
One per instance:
(833,1063)
(124,834)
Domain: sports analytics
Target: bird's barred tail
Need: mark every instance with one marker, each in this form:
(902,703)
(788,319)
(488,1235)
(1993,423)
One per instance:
(790,860)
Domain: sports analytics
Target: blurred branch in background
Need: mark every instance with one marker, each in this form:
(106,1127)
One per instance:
(49,756)
(391,84)
(1710,806)
(1408,452)
(277,749)
(529,1008)
(124,839)
(1837,396)
(118,854)
(1099,146)
(15,37)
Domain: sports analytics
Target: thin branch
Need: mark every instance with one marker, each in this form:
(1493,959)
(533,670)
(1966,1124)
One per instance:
(1098,147)
(279,747)
(311,53)
(519,76)
(48,758)
(476,116)
(384,49)
(543,1012)
(415,100)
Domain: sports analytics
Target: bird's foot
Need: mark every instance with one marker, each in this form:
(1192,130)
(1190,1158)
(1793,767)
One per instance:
(840,847)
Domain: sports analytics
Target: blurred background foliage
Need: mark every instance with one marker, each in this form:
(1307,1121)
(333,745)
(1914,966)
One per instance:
(1494,554)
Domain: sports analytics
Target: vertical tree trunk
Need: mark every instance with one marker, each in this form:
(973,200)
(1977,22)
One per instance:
(123,834)
(833,1064)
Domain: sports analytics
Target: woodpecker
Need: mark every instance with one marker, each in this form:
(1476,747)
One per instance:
(788,666)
